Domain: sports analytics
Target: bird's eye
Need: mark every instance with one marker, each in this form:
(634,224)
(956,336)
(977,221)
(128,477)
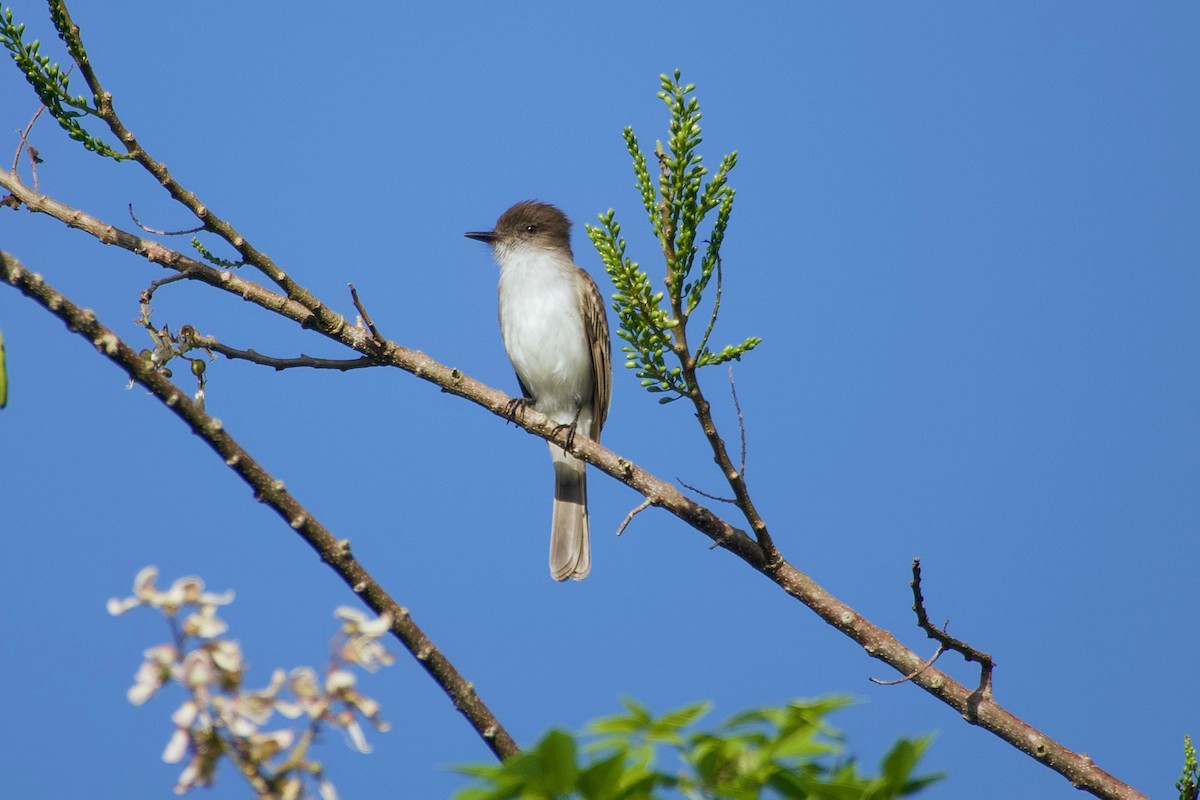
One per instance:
(531,228)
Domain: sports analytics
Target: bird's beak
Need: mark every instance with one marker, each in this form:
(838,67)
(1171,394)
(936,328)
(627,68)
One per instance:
(481,236)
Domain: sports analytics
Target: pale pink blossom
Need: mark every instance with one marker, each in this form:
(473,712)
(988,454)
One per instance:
(155,671)
(362,633)
(325,787)
(204,623)
(198,670)
(143,590)
(227,655)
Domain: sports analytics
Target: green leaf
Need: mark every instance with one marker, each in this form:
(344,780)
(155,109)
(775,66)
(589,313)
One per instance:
(603,779)
(684,717)
(789,751)
(557,754)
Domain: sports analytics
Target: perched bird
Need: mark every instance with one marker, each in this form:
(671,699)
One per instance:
(555,330)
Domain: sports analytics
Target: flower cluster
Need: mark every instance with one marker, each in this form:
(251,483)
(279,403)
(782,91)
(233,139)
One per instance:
(221,717)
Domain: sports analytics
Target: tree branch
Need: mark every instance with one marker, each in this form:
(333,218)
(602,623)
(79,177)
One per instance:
(271,491)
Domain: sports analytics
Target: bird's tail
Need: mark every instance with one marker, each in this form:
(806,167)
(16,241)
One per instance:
(570,545)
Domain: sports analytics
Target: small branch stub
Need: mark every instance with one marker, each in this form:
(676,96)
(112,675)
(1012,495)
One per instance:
(947,642)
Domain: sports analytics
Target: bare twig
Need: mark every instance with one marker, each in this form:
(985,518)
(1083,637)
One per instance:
(741,420)
(702,493)
(138,222)
(271,491)
(712,320)
(279,364)
(933,658)
(155,285)
(629,517)
(24,141)
(366,318)
(948,642)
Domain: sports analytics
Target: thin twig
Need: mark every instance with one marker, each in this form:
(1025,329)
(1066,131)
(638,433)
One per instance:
(629,517)
(24,140)
(702,493)
(712,320)
(155,285)
(741,421)
(936,655)
(279,364)
(366,318)
(16,162)
(138,222)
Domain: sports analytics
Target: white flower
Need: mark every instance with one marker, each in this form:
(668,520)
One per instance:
(204,624)
(226,655)
(339,681)
(264,746)
(325,787)
(359,623)
(153,673)
(198,670)
(362,632)
(185,591)
(310,700)
(354,733)
(177,747)
(143,590)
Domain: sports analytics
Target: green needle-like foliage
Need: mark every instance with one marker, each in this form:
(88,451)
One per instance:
(1189,782)
(785,752)
(51,82)
(216,261)
(677,204)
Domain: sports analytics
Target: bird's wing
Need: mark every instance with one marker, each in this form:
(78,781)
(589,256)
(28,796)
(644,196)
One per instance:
(595,321)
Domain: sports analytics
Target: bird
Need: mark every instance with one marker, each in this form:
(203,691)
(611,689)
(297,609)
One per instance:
(555,331)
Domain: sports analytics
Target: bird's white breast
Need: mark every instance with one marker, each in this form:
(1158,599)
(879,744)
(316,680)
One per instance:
(543,330)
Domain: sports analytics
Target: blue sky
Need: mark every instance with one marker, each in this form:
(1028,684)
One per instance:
(967,235)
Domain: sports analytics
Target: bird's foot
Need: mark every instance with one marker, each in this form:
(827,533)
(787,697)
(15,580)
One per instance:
(570,429)
(516,407)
